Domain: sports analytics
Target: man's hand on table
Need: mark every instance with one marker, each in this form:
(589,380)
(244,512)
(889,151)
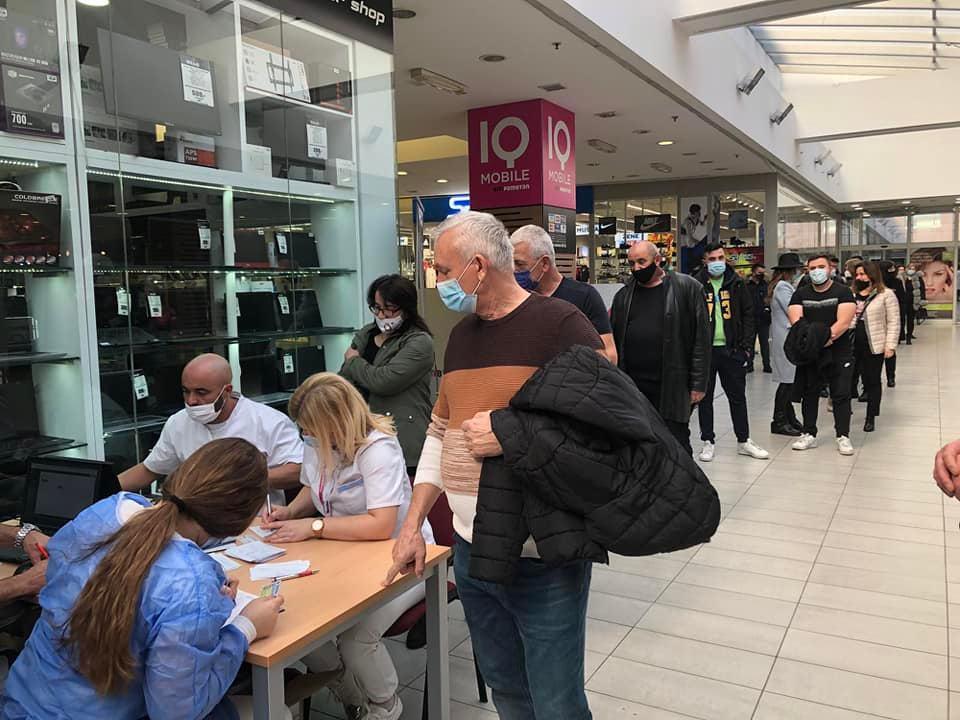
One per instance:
(409,555)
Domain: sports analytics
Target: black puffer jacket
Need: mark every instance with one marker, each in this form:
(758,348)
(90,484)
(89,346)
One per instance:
(588,467)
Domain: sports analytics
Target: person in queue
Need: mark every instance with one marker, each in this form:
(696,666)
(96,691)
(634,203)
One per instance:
(889,273)
(730,307)
(528,636)
(391,362)
(535,267)
(758,286)
(662,330)
(875,336)
(779,294)
(355,476)
(212,410)
(916,293)
(134,620)
(831,304)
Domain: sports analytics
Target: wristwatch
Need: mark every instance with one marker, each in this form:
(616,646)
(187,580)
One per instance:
(22,533)
(317,527)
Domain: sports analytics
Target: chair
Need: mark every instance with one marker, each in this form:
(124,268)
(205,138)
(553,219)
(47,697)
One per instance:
(413,621)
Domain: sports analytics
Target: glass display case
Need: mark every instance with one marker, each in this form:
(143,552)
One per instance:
(179,177)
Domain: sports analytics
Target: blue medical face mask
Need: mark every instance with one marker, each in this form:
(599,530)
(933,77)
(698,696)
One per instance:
(716,268)
(819,276)
(525,280)
(455,297)
(310,442)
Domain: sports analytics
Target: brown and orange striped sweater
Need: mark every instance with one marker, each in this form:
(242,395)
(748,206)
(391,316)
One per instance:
(486,363)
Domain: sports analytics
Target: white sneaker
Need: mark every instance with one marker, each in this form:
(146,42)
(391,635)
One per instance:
(805,442)
(379,712)
(844,445)
(753,450)
(706,455)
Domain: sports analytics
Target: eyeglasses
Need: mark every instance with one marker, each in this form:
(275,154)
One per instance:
(388,310)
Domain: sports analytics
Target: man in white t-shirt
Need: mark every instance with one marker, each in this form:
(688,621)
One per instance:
(213,411)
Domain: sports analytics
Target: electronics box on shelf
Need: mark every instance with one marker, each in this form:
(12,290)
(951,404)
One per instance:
(258,160)
(29,228)
(346,172)
(190,149)
(269,69)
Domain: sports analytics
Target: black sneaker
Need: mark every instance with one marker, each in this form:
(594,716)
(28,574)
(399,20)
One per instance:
(891,383)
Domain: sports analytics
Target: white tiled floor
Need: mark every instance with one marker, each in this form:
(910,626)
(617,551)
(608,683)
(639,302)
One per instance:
(825,594)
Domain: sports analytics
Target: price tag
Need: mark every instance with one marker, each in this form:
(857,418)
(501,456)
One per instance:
(197,80)
(123,301)
(155,305)
(282,243)
(287,364)
(316,141)
(140,388)
(284,304)
(205,235)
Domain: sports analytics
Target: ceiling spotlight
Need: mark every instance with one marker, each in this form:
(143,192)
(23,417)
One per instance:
(865,214)
(593,164)
(779,117)
(834,170)
(602,146)
(904,202)
(493,57)
(402,173)
(688,154)
(398,13)
(665,143)
(422,76)
(747,85)
(647,132)
(720,169)
(819,160)
(606,114)
(661,167)
(94,3)
(442,180)
(552,87)
(706,162)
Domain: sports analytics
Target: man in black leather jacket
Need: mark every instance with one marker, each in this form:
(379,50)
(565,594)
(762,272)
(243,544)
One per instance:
(662,332)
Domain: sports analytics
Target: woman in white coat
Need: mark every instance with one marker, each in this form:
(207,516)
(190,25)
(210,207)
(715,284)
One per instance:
(782,286)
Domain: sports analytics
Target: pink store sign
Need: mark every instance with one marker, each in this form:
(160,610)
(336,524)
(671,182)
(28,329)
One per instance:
(522,154)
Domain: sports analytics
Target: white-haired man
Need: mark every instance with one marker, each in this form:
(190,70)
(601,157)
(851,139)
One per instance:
(528,636)
(535,267)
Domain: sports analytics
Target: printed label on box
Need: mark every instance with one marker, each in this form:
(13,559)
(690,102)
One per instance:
(284,304)
(155,305)
(123,302)
(140,388)
(282,243)
(205,236)
(287,364)
(316,141)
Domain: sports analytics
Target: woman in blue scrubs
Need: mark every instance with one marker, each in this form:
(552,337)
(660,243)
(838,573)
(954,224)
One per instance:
(134,620)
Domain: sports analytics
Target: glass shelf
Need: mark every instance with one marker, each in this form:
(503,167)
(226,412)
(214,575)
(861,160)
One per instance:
(272,398)
(161,344)
(296,333)
(21,449)
(146,422)
(37,358)
(34,270)
(222,270)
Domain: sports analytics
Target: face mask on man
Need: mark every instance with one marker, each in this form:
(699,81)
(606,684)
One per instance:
(207,413)
(645,275)
(389,325)
(716,268)
(911,273)
(455,297)
(819,276)
(526,281)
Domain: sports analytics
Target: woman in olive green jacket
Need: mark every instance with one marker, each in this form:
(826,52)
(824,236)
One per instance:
(391,362)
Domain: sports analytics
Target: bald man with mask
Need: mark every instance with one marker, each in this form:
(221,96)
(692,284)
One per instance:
(662,332)
(212,410)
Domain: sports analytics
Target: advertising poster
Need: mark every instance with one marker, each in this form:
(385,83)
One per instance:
(937,265)
(744,258)
(694,231)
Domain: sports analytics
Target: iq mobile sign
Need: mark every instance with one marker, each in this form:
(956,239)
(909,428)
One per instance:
(522,154)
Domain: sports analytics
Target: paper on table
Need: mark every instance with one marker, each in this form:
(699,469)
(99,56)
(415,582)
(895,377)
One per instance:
(226,563)
(269,571)
(255,552)
(243,599)
(257,530)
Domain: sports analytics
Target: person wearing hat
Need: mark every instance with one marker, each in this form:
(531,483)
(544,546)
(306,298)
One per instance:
(782,285)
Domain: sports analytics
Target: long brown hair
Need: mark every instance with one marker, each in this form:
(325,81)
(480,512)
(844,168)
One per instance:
(333,411)
(221,487)
(873,272)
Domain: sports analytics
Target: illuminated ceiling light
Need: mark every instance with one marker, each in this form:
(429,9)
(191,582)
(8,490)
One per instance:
(904,202)
(442,180)
(665,143)
(94,3)
(402,173)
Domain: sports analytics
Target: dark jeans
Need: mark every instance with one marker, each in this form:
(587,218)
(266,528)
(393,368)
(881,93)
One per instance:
(731,366)
(868,367)
(763,337)
(529,636)
(840,377)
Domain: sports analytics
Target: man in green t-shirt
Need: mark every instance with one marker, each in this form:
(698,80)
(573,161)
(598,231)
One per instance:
(731,316)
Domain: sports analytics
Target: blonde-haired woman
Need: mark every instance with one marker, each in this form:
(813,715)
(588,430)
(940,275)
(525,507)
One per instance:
(355,477)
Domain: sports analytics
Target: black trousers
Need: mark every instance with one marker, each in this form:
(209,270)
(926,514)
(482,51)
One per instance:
(839,378)
(908,322)
(783,411)
(868,367)
(890,364)
(681,431)
(731,366)
(763,337)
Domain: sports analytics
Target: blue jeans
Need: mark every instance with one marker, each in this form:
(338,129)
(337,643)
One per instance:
(529,637)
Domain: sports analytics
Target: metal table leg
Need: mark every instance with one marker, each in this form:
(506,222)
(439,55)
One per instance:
(268,693)
(438,650)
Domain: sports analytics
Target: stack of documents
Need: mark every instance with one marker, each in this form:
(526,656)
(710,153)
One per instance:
(279,570)
(255,552)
